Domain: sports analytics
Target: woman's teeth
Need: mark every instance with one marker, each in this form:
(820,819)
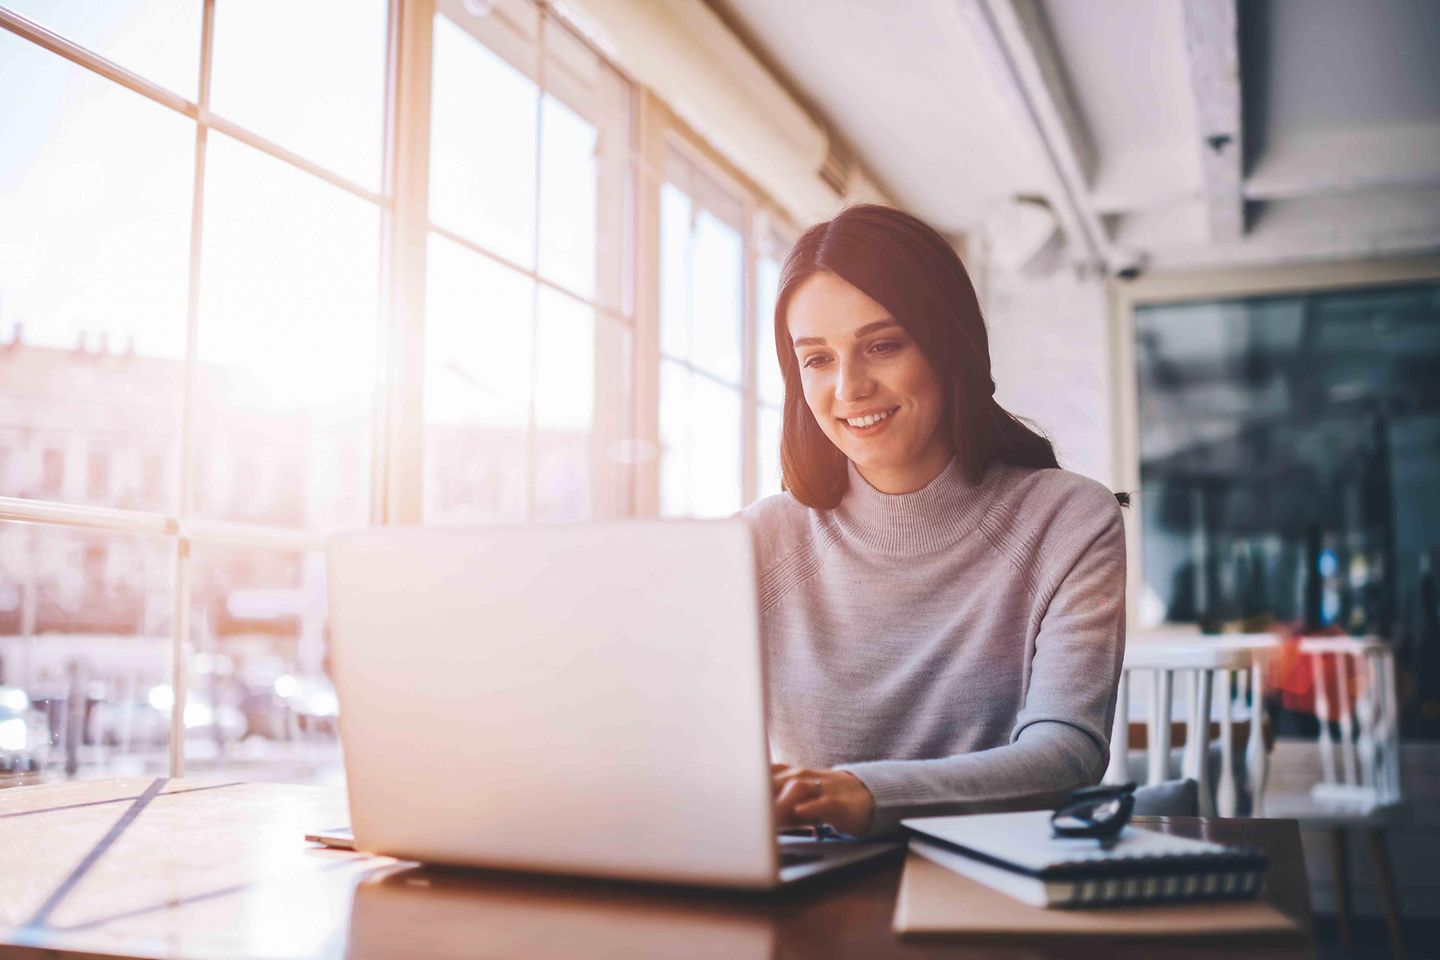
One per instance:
(871,420)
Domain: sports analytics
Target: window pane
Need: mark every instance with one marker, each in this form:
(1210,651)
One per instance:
(84,653)
(585,171)
(308,76)
(718,299)
(702,277)
(700,434)
(156,39)
(95,188)
(1290,459)
(287,344)
(674,272)
(769,382)
(479,333)
(582,403)
(259,701)
(482,145)
(567,198)
(565,370)
(767,453)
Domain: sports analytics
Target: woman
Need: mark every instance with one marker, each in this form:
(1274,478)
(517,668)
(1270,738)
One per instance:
(943,607)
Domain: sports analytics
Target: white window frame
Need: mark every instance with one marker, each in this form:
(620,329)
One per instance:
(182,526)
(1179,288)
(397,476)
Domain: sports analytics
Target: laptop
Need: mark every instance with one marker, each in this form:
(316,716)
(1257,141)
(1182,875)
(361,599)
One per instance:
(582,699)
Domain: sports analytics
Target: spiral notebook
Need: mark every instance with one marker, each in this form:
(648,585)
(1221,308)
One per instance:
(1016,854)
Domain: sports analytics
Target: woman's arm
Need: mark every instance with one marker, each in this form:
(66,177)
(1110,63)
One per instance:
(1061,736)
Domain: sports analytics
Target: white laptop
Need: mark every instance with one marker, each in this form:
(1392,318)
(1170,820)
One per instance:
(584,699)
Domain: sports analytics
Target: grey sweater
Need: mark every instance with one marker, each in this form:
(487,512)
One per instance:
(956,648)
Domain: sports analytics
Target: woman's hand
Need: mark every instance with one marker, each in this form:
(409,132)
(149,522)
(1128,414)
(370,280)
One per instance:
(805,797)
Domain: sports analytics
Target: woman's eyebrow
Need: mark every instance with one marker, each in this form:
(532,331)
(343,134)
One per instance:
(866,330)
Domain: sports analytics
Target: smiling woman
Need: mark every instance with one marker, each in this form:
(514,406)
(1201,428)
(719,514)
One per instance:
(942,606)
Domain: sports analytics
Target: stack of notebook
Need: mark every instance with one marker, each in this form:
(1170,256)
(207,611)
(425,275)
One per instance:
(1016,854)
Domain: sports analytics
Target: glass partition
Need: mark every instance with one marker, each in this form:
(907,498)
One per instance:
(1290,469)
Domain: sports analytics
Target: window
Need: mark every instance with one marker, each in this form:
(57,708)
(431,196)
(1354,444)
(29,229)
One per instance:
(529,335)
(98,480)
(127,294)
(209,355)
(720,386)
(87,698)
(52,473)
(1282,438)
(769,382)
(702,342)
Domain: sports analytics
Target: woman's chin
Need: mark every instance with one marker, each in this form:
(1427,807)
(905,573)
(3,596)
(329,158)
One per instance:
(867,458)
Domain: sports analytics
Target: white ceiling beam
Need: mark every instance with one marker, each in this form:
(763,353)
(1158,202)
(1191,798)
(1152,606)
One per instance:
(1212,49)
(1314,162)
(1339,245)
(1015,44)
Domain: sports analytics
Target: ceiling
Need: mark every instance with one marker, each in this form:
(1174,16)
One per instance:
(1160,134)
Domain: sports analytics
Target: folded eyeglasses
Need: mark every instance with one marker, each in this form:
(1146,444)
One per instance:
(1098,812)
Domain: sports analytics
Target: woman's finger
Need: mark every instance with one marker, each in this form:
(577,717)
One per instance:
(791,795)
(821,809)
(798,791)
(792,775)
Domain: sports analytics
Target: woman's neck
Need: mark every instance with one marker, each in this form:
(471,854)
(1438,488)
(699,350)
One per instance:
(909,477)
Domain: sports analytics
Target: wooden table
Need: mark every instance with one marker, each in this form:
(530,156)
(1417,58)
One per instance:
(173,868)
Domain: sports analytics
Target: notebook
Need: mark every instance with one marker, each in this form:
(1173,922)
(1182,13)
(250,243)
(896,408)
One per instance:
(936,902)
(1016,854)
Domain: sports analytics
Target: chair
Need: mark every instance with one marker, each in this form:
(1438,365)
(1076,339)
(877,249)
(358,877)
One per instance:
(1369,730)
(1354,686)
(1198,665)
(1174,798)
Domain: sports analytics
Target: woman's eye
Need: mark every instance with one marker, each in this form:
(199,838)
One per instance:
(816,360)
(886,346)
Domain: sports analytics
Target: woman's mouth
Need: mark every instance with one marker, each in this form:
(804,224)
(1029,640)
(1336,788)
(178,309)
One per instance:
(870,423)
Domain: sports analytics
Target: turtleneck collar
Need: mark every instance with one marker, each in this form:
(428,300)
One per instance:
(929,519)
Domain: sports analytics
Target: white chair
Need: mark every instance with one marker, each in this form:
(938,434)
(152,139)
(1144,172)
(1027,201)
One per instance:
(1361,788)
(1369,730)
(1214,675)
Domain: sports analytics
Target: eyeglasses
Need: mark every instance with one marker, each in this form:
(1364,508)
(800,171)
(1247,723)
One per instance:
(1099,812)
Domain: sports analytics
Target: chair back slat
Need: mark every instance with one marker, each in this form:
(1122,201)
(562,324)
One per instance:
(1345,711)
(1257,758)
(1162,692)
(1120,734)
(1226,796)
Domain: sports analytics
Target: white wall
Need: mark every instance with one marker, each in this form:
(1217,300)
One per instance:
(1051,357)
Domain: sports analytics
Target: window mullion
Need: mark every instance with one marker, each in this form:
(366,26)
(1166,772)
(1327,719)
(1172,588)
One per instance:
(398,444)
(532,451)
(749,365)
(180,621)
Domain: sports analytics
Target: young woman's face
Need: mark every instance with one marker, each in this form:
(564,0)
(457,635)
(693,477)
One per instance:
(870,389)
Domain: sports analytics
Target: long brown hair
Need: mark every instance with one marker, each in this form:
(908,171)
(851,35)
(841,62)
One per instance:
(910,270)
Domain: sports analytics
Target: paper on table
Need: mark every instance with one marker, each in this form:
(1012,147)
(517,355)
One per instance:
(934,900)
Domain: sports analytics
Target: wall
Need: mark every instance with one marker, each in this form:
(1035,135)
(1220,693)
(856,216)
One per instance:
(1051,357)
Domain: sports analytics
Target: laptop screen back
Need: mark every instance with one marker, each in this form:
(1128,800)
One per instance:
(580,698)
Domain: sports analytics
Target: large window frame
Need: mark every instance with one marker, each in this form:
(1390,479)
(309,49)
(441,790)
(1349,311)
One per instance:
(1126,298)
(397,428)
(662,132)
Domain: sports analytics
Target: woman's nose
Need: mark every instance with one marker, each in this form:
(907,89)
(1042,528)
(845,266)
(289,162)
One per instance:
(853,382)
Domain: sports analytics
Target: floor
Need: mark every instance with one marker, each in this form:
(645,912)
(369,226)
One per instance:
(1370,942)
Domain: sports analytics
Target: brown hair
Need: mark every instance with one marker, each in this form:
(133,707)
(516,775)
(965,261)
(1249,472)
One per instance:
(910,270)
